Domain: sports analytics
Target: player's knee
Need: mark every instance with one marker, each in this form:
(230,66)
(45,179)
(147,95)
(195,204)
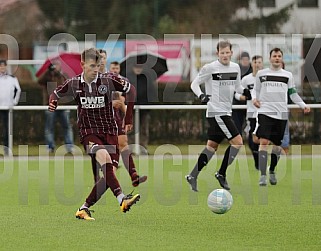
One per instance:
(122,142)
(123,146)
(277,150)
(255,139)
(102,156)
(211,146)
(237,142)
(264,142)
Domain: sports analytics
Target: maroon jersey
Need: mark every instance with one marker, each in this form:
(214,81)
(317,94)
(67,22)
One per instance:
(95,111)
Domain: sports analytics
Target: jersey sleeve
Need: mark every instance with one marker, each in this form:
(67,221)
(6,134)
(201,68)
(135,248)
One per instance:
(297,100)
(291,83)
(294,96)
(64,90)
(257,87)
(201,78)
(117,82)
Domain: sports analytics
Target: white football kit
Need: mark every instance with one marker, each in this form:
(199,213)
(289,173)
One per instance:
(221,81)
(271,89)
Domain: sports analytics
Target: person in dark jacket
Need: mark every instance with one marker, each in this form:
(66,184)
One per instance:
(49,80)
(239,115)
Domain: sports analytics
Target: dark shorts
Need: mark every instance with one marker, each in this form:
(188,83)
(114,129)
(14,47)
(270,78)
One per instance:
(270,128)
(252,125)
(119,117)
(93,142)
(221,127)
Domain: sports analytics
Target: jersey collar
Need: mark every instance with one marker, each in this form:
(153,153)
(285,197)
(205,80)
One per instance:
(82,79)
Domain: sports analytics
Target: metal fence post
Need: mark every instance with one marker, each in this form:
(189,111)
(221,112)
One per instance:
(10,132)
(137,130)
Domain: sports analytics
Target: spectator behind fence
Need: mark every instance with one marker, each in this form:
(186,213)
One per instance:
(9,96)
(239,115)
(251,111)
(50,79)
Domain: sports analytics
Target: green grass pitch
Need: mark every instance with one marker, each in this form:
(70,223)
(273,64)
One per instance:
(40,196)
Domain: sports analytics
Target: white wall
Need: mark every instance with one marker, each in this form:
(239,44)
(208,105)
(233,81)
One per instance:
(304,21)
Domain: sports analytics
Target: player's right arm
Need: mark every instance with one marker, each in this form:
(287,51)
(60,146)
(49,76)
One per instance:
(202,77)
(63,90)
(256,91)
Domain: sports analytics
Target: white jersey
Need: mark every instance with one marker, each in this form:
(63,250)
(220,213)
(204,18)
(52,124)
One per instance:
(221,81)
(248,82)
(9,90)
(271,89)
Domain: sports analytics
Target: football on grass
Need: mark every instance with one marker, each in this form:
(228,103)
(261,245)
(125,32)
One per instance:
(220,201)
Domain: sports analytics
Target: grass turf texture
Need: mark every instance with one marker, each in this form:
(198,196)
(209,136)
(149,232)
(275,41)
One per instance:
(40,197)
(153,149)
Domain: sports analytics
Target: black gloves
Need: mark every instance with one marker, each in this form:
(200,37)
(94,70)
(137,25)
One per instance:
(204,98)
(247,94)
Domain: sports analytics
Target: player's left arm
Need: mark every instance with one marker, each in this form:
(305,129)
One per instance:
(294,96)
(122,103)
(119,83)
(256,91)
(122,84)
(130,100)
(61,91)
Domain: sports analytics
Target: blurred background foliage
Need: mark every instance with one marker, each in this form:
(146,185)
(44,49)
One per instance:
(154,17)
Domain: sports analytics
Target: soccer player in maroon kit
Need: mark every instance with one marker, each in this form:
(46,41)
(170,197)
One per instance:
(92,92)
